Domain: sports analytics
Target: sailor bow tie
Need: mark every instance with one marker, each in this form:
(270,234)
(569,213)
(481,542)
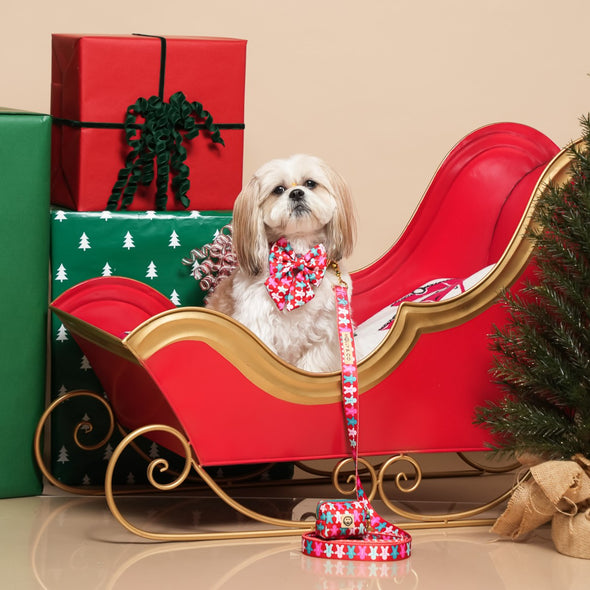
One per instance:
(292,277)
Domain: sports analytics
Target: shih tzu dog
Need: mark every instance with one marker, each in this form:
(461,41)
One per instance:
(293,219)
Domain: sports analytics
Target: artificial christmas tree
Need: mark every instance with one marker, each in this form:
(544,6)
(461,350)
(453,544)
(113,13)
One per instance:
(543,364)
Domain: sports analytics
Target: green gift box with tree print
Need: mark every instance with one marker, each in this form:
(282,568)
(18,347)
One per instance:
(144,245)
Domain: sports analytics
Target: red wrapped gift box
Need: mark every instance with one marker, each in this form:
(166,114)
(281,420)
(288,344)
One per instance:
(95,78)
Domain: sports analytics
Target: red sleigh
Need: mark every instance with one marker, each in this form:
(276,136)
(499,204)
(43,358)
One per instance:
(202,385)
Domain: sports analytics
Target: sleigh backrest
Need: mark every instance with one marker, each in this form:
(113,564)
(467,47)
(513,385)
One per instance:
(466,218)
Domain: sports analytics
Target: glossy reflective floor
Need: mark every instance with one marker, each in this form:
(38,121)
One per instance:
(62,542)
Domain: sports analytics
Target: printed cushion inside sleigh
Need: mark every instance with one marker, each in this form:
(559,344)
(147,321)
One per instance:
(236,402)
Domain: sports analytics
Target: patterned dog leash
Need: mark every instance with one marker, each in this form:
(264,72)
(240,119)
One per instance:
(347,529)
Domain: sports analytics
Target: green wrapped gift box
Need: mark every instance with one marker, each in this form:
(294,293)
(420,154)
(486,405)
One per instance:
(147,246)
(24,192)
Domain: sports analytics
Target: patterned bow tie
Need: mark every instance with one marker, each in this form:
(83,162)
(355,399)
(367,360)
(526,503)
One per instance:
(292,277)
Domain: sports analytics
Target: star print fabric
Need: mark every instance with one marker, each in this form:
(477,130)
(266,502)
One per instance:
(338,519)
(292,277)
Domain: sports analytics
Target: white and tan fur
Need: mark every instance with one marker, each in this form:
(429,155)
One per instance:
(304,200)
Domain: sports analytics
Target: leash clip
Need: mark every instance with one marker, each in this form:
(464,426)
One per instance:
(336,268)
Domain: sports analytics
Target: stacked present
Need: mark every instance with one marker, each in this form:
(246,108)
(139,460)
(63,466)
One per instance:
(146,161)
(144,245)
(132,114)
(24,187)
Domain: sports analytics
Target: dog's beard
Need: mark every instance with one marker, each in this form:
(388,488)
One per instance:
(300,210)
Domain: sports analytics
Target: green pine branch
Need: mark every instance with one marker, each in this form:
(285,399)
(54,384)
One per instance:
(542,356)
(531,427)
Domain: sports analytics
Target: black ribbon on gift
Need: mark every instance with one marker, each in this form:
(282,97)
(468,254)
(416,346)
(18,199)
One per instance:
(157,150)
(159,138)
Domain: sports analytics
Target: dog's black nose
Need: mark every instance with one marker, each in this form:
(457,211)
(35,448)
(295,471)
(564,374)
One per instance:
(296,194)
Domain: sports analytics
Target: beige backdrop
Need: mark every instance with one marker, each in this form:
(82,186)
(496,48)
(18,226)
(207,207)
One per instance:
(381,89)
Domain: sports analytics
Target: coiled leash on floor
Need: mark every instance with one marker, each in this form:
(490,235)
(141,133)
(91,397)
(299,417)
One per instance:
(351,529)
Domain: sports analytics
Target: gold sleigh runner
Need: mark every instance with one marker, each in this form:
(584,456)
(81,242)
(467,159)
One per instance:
(419,387)
(194,477)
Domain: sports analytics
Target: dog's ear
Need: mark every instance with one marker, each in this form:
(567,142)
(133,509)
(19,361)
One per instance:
(341,230)
(249,237)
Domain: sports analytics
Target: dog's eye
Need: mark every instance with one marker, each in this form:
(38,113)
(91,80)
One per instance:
(278,190)
(311,183)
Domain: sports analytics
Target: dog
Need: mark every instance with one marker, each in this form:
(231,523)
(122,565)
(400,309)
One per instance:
(302,207)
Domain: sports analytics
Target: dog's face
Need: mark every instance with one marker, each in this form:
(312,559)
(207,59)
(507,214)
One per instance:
(299,198)
(296,197)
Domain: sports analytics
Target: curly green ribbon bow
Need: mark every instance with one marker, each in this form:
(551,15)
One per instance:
(160,139)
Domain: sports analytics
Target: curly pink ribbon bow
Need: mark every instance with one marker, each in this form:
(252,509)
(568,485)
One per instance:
(292,277)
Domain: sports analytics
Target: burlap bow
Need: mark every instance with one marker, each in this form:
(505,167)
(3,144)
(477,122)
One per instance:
(558,491)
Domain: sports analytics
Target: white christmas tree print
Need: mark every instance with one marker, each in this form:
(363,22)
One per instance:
(61,274)
(150,215)
(62,334)
(108,452)
(86,480)
(62,391)
(106,215)
(86,424)
(84,242)
(152,272)
(107,271)
(128,241)
(85,364)
(60,216)
(174,241)
(63,455)
(130,479)
(154,451)
(175,298)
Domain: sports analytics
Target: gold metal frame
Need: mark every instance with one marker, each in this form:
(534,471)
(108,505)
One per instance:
(281,527)
(375,476)
(81,427)
(284,527)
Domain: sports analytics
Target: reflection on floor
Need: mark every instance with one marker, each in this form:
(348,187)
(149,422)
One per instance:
(59,541)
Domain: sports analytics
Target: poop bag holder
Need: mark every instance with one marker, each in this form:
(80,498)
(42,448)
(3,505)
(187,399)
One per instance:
(352,529)
(340,519)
